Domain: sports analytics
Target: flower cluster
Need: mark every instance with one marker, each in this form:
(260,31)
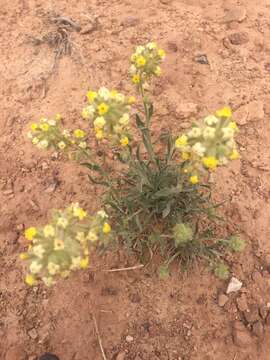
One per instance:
(182,234)
(209,144)
(47,134)
(145,63)
(63,245)
(109,111)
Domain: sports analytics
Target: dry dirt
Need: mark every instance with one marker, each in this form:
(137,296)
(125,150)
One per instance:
(139,316)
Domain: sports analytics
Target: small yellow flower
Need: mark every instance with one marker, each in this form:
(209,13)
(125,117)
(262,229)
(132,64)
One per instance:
(59,244)
(38,251)
(34,127)
(234,155)
(84,263)
(35,267)
(194,179)
(103,109)
(185,155)
(92,236)
(99,122)
(181,141)
(224,112)
(99,134)
(30,233)
(79,212)
(48,231)
(80,236)
(30,280)
(151,45)
(114,94)
(233,125)
(140,61)
(61,145)
(85,114)
(136,79)
(53,268)
(161,53)
(131,100)
(210,162)
(24,256)
(63,222)
(83,145)
(78,133)
(158,71)
(35,141)
(44,127)
(58,117)
(124,141)
(106,228)
(124,120)
(91,95)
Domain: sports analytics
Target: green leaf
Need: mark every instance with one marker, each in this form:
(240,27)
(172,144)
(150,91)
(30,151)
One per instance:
(150,110)
(92,166)
(139,122)
(98,181)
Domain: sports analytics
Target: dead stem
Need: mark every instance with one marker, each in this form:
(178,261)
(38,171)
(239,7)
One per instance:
(99,338)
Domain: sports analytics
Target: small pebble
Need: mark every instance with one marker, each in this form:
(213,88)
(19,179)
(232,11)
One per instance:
(234,285)
(222,300)
(129,338)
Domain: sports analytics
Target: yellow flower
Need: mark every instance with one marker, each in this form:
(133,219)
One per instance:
(35,267)
(185,155)
(114,94)
(53,268)
(34,127)
(78,133)
(136,79)
(99,134)
(233,125)
(224,112)
(106,228)
(63,222)
(210,162)
(99,122)
(234,155)
(158,71)
(30,233)
(194,179)
(48,231)
(140,61)
(85,114)
(30,280)
(58,117)
(24,256)
(103,109)
(44,127)
(83,145)
(124,141)
(131,100)
(91,95)
(38,251)
(181,141)
(59,244)
(151,45)
(80,236)
(92,236)
(35,141)
(124,120)
(79,212)
(84,263)
(161,53)
(61,145)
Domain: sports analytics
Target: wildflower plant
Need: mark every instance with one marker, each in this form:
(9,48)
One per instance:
(160,201)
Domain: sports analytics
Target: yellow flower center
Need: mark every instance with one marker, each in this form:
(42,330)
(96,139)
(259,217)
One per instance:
(103,109)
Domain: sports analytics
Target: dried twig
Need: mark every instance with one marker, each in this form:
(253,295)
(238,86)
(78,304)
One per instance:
(99,338)
(125,269)
(66,21)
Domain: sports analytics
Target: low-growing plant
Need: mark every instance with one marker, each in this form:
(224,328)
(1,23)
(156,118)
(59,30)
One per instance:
(160,199)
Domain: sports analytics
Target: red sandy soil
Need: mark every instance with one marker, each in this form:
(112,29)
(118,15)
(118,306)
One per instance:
(181,317)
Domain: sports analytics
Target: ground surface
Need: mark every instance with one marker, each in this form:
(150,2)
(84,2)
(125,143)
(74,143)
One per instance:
(179,318)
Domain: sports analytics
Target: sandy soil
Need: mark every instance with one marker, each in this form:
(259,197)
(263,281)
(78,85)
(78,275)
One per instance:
(139,316)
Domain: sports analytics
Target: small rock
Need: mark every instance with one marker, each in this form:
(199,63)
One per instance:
(263,310)
(135,298)
(33,334)
(15,353)
(222,300)
(129,338)
(121,356)
(48,356)
(236,14)
(172,46)
(241,302)
(186,110)
(34,205)
(252,314)
(234,285)
(238,38)
(202,59)
(241,336)
(52,187)
(130,21)
(257,329)
(250,112)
